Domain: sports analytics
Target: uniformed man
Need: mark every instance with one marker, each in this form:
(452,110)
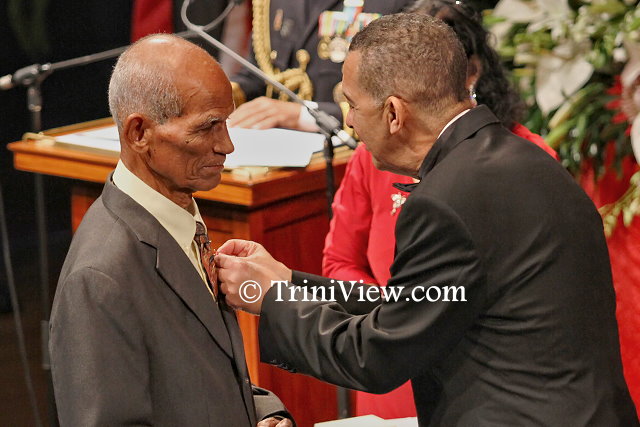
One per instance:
(302,44)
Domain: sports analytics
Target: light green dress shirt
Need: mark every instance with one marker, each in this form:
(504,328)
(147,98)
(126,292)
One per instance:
(179,222)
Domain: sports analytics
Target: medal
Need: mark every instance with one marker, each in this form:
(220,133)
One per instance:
(338,49)
(277,20)
(325,31)
(336,28)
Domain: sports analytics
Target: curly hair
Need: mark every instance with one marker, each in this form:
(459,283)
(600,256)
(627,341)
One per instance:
(493,88)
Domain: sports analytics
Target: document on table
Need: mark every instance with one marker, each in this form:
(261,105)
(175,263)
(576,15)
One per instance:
(370,421)
(103,141)
(271,147)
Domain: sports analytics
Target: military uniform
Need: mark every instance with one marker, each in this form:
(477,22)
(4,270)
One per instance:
(290,26)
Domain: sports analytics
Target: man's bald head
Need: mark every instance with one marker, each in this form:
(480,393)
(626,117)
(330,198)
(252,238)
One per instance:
(171,101)
(148,75)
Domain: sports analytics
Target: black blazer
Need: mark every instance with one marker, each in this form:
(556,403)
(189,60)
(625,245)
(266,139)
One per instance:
(136,338)
(535,343)
(303,34)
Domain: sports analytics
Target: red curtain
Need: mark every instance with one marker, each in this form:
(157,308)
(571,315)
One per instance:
(151,16)
(624,252)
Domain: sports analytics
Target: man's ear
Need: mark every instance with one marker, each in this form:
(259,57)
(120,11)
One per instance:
(136,132)
(395,111)
(474,70)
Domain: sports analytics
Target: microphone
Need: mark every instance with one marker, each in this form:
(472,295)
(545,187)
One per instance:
(24,76)
(6,82)
(35,73)
(329,125)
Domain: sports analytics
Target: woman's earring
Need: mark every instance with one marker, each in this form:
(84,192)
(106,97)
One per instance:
(472,92)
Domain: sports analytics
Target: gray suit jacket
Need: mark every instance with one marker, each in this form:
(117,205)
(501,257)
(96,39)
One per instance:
(136,338)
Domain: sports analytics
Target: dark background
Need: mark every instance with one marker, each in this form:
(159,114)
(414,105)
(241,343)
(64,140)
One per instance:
(69,96)
(74,28)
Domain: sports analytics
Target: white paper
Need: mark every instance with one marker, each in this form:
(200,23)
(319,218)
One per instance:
(370,421)
(104,139)
(272,147)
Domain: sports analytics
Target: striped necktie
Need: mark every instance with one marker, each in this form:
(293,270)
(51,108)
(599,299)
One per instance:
(206,258)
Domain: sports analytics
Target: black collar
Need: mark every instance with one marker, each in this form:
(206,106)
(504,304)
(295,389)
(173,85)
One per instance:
(458,131)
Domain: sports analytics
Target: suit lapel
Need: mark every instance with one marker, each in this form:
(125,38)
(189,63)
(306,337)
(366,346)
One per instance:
(460,130)
(235,334)
(176,269)
(172,263)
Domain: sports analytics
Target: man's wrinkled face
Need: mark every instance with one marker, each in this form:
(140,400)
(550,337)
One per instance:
(187,152)
(366,116)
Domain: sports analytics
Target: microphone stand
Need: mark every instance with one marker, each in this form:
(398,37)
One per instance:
(32,77)
(328,125)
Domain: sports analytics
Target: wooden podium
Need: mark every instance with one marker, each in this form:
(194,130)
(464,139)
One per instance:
(285,210)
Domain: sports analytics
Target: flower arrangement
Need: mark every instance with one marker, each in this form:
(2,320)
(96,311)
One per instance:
(567,58)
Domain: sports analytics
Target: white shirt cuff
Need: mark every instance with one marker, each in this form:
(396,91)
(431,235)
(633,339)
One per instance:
(305,120)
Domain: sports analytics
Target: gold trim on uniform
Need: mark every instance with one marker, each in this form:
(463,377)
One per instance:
(238,94)
(295,79)
(323,48)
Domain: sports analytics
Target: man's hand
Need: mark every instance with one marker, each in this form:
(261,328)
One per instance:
(275,422)
(245,272)
(266,113)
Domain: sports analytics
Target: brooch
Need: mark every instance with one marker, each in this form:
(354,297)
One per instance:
(398,200)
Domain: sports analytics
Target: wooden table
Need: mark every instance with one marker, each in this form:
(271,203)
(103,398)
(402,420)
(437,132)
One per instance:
(283,209)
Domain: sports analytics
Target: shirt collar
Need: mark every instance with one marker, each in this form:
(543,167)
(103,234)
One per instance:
(179,222)
(453,120)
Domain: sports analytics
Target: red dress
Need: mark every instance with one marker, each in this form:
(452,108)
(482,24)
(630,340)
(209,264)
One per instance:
(360,246)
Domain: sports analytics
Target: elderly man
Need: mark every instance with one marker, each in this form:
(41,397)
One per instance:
(139,335)
(500,308)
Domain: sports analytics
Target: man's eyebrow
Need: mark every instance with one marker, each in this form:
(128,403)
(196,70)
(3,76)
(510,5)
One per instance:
(348,97)
(209,120)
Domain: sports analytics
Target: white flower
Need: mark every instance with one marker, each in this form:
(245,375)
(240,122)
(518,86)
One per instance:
(556,16)
(518,11)
(619,54)
(560,74)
